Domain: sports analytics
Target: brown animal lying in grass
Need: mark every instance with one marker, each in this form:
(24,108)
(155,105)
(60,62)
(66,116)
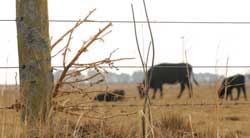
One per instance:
(115,95)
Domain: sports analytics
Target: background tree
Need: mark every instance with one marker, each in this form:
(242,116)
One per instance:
(137,76)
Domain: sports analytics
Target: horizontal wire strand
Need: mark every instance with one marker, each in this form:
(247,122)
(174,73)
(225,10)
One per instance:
(247,66)
(127,21)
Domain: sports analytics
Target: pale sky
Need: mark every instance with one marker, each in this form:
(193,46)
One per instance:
(205,43)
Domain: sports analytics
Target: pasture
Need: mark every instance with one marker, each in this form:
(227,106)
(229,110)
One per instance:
(203,116)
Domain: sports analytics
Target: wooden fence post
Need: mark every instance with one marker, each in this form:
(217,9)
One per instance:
(36,78)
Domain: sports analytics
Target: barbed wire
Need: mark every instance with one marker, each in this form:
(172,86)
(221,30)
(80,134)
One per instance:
(14,106)
(141,21)
(205,66)
(159,105)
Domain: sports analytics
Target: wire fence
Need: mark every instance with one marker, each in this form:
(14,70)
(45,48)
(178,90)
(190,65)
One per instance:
(139,67)
(117,105)
(161,105)
(141,21)
(196,66)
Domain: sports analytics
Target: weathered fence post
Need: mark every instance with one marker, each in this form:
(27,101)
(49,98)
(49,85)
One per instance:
(36,79)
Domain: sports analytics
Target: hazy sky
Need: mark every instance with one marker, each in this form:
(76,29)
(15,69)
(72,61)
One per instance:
(205,43)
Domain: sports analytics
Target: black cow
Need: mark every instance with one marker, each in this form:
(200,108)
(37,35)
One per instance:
(169,73)
(229,83)
(115,95)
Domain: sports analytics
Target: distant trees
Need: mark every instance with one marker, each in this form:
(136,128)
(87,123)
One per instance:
(113,77)
(207,78)
(137,77)
(124,78)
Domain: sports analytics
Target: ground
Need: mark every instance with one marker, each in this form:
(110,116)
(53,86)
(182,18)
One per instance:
(204,114)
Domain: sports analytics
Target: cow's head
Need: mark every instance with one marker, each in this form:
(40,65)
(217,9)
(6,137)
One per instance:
(141,91)
(221,93)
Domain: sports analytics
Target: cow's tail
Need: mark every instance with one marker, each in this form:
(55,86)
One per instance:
(195,81)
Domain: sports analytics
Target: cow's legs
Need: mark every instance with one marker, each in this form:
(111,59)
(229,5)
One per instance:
(238,93)
(154,92)
(244,91)
(161,92)
(229,93)
(182,89)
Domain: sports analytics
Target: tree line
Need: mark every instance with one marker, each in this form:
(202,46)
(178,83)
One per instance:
(137,77)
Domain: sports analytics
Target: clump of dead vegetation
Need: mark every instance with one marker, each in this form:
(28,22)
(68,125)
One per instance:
(213,132)
(172,125)
(92,129)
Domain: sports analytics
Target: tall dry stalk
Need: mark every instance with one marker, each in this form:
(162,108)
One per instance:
(146,111)
(225,93)
(147,103)
(217,105)
(226,73)
(191,125)
(4,88)
(188,74)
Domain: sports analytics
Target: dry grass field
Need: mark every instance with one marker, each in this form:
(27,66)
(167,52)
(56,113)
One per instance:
(203,116)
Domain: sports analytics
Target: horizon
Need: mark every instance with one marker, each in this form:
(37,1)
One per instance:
(247,75)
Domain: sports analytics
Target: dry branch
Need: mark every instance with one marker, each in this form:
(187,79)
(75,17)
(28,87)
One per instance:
(85,79)
(75,58)
(67,48)
(104,61)
(70,78)
(73,28)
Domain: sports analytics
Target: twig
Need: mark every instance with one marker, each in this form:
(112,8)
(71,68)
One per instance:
(76,25)
(67,48)
(86,79)
(136,38)
(104,61)
(148,53)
